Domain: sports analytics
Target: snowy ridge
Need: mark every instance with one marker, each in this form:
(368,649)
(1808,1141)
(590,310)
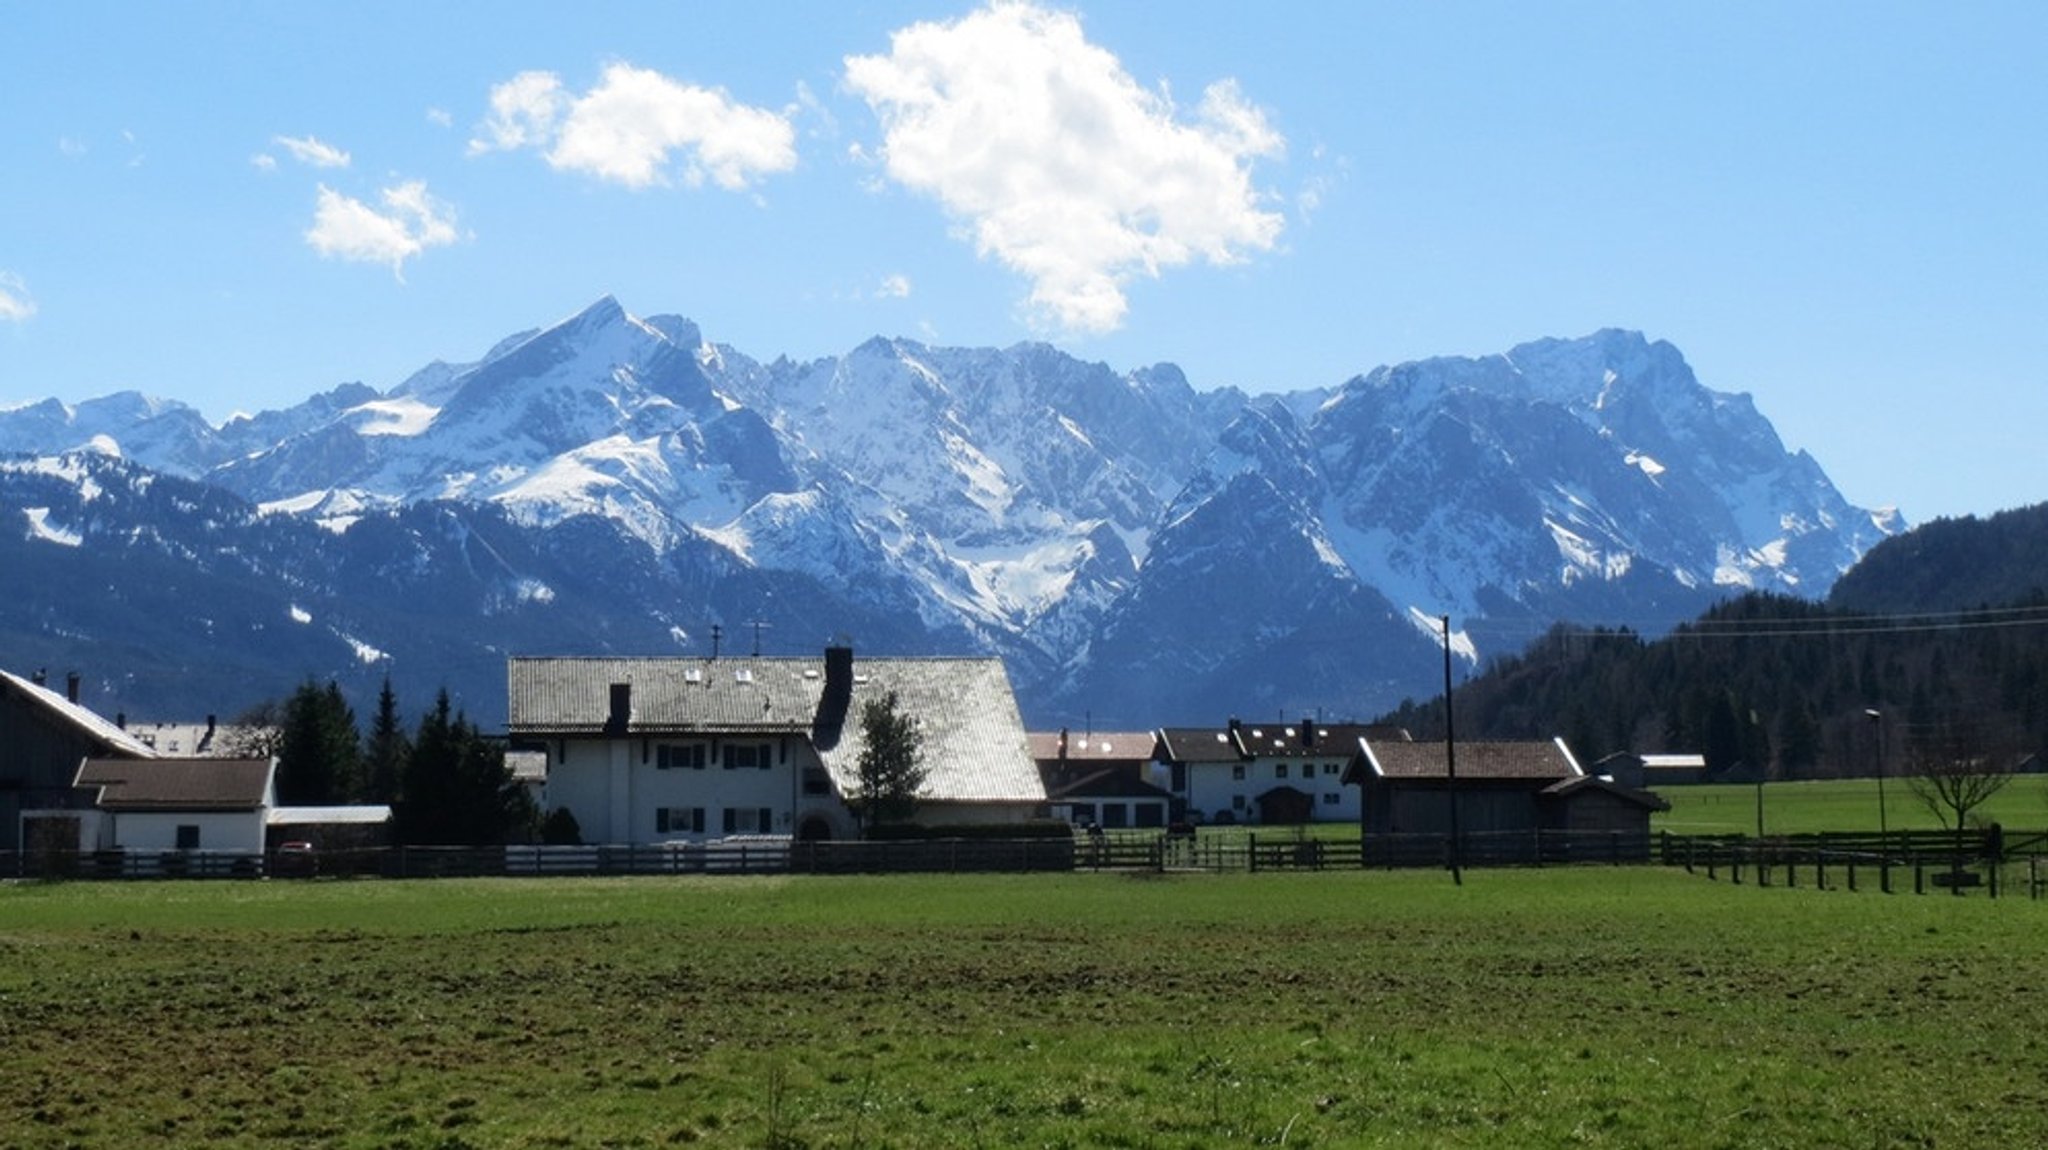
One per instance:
(1123,539)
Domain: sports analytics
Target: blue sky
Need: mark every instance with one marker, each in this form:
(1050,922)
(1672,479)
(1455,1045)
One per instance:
(1840,208)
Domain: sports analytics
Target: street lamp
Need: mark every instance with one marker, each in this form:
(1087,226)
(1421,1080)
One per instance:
(1877,726)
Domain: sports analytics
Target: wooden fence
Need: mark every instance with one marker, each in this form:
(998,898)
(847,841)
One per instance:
(1986,860)
(1280,850)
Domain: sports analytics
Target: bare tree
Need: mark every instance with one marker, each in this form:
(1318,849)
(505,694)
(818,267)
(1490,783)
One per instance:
(1956,767)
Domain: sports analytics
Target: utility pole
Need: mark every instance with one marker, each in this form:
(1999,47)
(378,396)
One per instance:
(1451,758)
(717,636)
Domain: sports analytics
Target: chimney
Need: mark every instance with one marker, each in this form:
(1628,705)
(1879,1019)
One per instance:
(1063,744)
(838,671)
(621,709)
(41,678)
(71,686)
(1308,731)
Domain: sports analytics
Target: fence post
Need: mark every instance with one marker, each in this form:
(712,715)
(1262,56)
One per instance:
(1919,875)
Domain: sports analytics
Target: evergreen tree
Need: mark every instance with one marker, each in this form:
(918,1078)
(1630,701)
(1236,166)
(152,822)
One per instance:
(457,790)
(319,756)
(891,763)
(388,750)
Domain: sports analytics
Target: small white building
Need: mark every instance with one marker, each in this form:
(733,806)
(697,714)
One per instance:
(219,805)
(653,750)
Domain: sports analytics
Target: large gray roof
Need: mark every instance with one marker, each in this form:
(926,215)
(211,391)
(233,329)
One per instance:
(974,741)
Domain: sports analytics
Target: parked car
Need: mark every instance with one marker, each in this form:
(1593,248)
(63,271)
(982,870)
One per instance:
(296,859)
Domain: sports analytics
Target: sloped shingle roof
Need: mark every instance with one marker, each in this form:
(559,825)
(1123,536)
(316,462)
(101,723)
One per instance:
(68,713)
(974,743)
(1201,745)
(178,784)
(1094,747)
(1476,760)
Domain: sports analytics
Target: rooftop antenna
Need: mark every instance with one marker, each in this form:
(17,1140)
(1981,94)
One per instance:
(717,635)
(758,626)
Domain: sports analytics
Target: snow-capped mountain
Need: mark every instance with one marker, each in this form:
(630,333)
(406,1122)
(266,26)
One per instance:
(1139,551)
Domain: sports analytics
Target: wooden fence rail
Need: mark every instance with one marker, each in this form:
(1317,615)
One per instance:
(1279,850)
(1920,861)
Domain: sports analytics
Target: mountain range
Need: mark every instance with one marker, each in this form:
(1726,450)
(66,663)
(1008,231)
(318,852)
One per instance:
(1138,551)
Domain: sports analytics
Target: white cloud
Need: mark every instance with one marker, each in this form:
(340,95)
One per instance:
(894,287)
(411,222)
(440,118)
(312,152)
(263,162)
(639,128)
(15,303)
(1061,166)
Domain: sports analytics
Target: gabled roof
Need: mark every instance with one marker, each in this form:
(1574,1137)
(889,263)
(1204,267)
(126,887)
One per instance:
(974,744)
(1201,745)
(178,784)
(1095,746)
(1585,784)
(69,714)
(1309,740)
(1500,761)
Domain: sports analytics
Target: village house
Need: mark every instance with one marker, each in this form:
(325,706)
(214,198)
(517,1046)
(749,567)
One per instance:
(44,735)
(1100,779)
(1270,774)
(157,805)
(650,750)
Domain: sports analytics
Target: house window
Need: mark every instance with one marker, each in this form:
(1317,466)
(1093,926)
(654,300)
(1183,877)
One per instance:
(746,757)
(1329,768)
(1279,770)
(1237,773)
(816,782)
(188,837)
(1237,802)
(678,820)
(1331,799)
(668,757)
(749,820)
(1114,815)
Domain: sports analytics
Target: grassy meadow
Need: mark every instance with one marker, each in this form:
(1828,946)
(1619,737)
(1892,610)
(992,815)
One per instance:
(1591,1006)
(1836,805)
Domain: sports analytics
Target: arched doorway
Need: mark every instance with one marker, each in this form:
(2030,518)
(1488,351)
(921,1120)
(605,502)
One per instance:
(814,829)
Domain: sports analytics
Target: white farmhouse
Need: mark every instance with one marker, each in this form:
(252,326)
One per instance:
(217,805)
(1278,774)
(645,750)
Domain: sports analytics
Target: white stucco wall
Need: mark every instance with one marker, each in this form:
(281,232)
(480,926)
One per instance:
(617,787)
(158,830)
(1211,788)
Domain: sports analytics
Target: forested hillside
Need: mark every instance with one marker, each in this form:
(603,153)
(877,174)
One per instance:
(1789,685)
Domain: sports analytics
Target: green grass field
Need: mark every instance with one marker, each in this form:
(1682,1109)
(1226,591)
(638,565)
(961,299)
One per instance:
(1593,1006)
(1835,805)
